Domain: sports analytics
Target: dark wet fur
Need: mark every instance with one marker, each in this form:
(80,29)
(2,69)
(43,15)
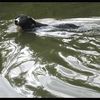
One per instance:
(27,23)
(69,26)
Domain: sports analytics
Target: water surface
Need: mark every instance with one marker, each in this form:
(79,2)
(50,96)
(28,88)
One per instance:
(55,62)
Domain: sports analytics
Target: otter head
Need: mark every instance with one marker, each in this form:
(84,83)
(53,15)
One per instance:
(25,22)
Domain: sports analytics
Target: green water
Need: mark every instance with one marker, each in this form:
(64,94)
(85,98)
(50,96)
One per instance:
(43,66)
(52,10)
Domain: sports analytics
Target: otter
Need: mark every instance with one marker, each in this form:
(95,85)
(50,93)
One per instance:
(27,23)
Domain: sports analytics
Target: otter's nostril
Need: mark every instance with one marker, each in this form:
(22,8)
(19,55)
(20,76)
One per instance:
(16,22)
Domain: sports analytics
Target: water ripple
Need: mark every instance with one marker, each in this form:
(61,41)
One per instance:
(55,63)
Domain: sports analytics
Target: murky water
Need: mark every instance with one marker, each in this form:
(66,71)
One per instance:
(55,62)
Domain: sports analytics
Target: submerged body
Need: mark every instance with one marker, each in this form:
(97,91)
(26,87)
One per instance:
(26,23)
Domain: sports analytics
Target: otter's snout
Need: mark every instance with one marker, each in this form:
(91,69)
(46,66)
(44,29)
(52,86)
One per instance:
(17,21)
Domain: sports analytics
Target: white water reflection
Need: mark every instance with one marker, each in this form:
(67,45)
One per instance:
(61,89)
(75,63)
(23,64)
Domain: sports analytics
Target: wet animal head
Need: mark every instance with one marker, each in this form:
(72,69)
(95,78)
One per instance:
(25,22)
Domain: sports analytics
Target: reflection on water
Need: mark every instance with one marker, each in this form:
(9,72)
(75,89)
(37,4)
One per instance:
(55,62)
